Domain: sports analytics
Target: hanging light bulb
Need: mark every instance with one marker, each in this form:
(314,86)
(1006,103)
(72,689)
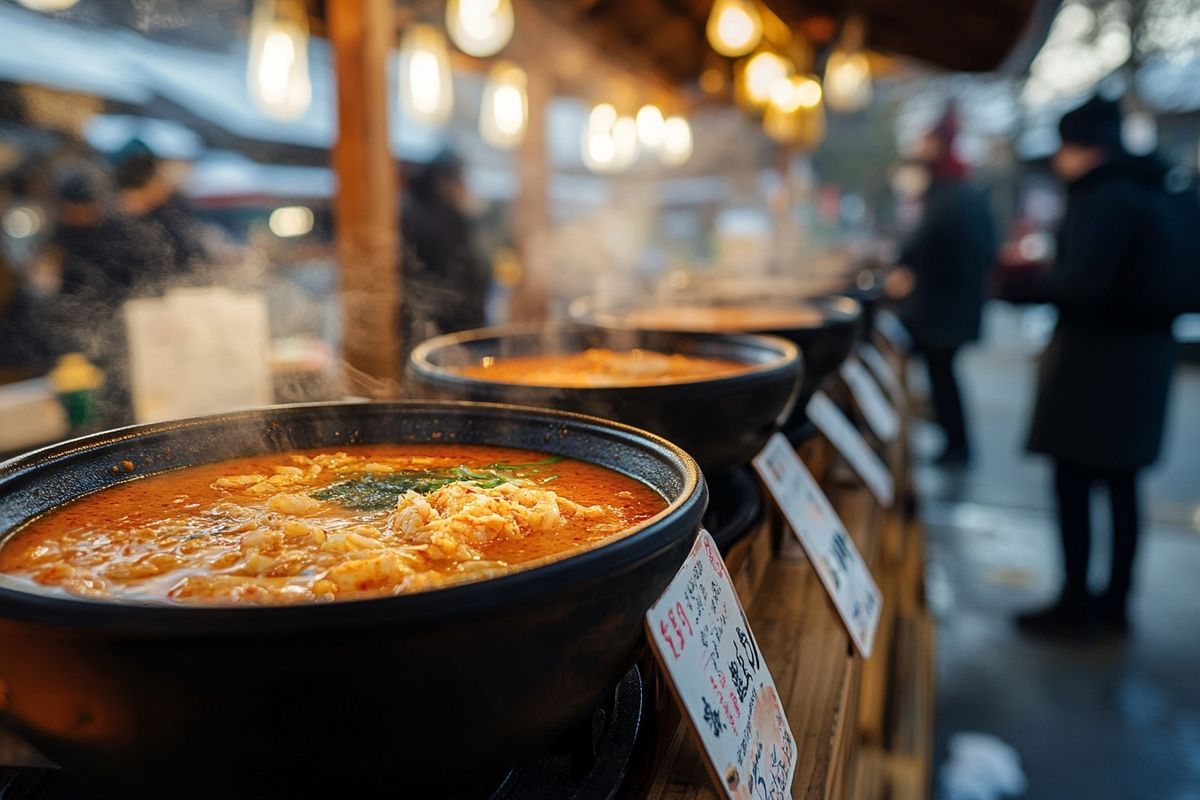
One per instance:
(676,145)
(734,27)
(650,126)
(598,148)
(602,118)
(48,6)
(848,71)
(756,76)
(278,68)
(480,28)
(426,87)
(791,94)
(505,110)
(625,141)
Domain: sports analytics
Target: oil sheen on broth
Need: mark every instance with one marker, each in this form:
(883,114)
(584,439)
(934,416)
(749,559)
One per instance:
(365,521)
(600,367)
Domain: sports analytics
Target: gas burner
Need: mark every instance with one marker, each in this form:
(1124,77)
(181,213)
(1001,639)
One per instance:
(592,764)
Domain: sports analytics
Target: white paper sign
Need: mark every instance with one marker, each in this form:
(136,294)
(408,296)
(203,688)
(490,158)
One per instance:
(875,407)
(829,547)
(879,365)
(892,329)
(830,420)
(704,643)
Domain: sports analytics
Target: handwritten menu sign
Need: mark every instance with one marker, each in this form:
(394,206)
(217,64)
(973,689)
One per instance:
(832,553)
(875,407)
(703,641)
(830,420)
(883,371)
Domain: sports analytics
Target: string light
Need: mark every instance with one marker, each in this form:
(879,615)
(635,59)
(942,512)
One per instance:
(676,145)
(505,111)
(480,28)
(734,27)
(426,87)
(758,74)
(791,94)
(650,126)
(278,76)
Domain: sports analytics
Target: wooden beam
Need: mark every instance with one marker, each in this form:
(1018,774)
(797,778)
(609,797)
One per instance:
(365,205)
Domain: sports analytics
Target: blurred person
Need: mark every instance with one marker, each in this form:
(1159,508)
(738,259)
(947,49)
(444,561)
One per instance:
(445,281)
(149,196)
(103,258)
(942,278)
(1123,246)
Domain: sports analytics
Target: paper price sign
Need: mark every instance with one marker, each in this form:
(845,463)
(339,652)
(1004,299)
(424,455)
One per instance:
(883,371)
(710,656)
(875,407)
(830,420)
(830,549)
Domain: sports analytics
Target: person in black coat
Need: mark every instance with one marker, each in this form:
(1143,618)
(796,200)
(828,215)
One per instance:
(943,278)
(1103,380)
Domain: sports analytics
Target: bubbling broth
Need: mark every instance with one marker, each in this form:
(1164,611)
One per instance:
(364,521)
(600,367)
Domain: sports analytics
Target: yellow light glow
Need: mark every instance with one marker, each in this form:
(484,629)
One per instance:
(734,27)
(676,146)
(625,141)
(712,80)
(480,28)
(799,91)
(505,111)
(848,81)
(759,73)
(21,222)
(650,126)
(602,118)
(290,221)
(804,127)
(426,83)
(278,74)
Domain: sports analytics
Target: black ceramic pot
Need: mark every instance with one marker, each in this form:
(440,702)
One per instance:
(422,695)
(722,421)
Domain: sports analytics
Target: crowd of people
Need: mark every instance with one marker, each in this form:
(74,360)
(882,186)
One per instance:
(1127,263)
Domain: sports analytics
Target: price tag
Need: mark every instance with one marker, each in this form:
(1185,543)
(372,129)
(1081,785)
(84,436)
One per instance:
(875,407)
(892,329)
(703,641)
(829,547)
(883,371)
(830,420)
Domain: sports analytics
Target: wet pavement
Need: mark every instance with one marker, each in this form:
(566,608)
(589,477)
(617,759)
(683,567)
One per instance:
(1117,718)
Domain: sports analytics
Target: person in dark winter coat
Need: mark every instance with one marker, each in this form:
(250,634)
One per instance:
(943,279)
(1103,380)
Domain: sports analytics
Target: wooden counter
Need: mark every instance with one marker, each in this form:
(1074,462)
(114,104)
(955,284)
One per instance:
(863,728)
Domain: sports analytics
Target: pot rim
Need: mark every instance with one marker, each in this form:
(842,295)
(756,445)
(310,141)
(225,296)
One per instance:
(787,357)
(838,309)
(639,544)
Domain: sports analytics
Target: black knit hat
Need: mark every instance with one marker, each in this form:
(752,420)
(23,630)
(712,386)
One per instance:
(1097,123)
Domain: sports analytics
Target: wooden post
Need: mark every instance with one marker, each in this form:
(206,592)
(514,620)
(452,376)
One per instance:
(365,206)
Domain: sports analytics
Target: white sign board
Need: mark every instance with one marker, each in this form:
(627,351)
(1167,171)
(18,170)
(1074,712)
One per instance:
(830,550)
(830,420)
(871,400)
(883,371)
(712,661)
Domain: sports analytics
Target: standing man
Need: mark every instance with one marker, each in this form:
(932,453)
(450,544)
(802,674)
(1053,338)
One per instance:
(942,278)
(1104,378)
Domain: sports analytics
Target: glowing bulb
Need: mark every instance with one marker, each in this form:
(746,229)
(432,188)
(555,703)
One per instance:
(48,6)
(650,126)
(599,151)
(290,221)
(734,27)
(278,68)
(625,141)
(480,28)
(21,222)
(602,118)
(426,88)
(505,111)
(848,71)
(759,73)
(848,81)
(791,94)
(805,126)
(676,146)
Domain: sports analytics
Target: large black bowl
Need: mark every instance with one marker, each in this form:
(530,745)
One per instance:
(825,344)
(721,421)
(420,695)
